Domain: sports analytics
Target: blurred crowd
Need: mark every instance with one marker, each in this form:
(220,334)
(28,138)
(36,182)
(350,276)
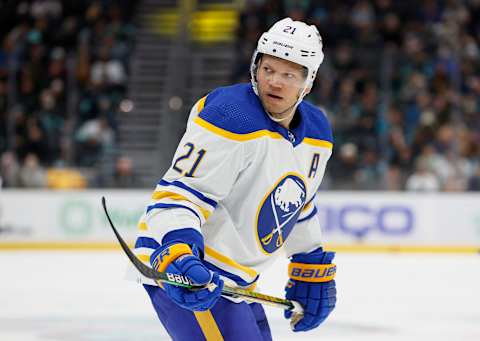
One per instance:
(64,68)
(400,83)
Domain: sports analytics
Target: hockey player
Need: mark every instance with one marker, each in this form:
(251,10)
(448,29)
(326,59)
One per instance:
(240,189)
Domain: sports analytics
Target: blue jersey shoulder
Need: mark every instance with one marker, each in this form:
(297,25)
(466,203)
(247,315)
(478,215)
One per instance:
(317,125)
(234,108)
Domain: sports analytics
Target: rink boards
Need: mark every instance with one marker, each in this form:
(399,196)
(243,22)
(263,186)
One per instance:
(351,221)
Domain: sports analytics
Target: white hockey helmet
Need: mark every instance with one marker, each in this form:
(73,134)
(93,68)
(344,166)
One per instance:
(294,41)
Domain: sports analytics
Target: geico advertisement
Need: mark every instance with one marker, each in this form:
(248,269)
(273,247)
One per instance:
(363,220)
(345,217)
(68,216)
(414,219)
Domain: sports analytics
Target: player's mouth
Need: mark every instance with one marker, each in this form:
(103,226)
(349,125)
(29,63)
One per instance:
(274,97)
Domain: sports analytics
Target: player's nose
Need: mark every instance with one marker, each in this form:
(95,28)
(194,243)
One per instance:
(275,81)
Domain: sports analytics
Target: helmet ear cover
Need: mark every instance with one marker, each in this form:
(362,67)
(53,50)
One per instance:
(255,64)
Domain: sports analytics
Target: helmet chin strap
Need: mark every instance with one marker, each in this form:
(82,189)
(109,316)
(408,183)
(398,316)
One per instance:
(283,112)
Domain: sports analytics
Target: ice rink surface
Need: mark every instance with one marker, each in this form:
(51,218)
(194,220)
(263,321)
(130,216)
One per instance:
(80,296)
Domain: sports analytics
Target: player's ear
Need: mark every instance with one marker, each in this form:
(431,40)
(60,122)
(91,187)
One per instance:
(307,90)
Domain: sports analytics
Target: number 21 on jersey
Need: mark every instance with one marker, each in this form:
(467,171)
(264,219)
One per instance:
(190,147)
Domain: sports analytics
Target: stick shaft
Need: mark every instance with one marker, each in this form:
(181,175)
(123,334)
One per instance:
(183,281)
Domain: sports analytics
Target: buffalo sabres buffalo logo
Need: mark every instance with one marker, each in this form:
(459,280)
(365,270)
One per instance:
(279,212)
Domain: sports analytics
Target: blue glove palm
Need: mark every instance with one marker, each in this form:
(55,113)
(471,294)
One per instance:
(191,266)
(318,299)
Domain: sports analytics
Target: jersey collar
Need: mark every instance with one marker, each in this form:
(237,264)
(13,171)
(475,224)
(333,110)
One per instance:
(296,134)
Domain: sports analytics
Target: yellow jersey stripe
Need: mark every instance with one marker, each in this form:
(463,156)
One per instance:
(208,325)
(142,226)
(318,143)
(234,136)
(226,260)
(201,104)
(144,258)
(307,206)
(157,195)
(255,135)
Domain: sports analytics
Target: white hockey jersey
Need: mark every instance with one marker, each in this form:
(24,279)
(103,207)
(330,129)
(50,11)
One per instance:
(244,182)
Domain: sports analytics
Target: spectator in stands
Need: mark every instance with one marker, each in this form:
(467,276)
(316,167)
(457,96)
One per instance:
(346,170)
(125,176)
(51,120)
(370,171)
(108,72)
(422,180)
(9,169)
(31,173)
(93,137)
(35,141)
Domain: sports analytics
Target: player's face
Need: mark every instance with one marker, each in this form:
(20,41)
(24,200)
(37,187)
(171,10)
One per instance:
(280,83)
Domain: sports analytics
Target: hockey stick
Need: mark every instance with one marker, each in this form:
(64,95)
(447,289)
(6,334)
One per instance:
(182,281)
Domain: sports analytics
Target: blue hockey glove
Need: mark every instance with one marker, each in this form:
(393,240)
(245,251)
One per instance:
(179,258)
(311,284)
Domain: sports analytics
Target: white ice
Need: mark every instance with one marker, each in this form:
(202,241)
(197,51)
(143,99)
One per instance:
(80,296)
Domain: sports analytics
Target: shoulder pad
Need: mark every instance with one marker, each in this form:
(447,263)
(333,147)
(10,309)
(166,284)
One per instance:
(318,126)
(235,109)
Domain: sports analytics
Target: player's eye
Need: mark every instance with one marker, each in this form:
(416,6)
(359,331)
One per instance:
(267,69)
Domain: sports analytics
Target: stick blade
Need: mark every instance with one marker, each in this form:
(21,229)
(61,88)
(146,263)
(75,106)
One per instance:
(142,268)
